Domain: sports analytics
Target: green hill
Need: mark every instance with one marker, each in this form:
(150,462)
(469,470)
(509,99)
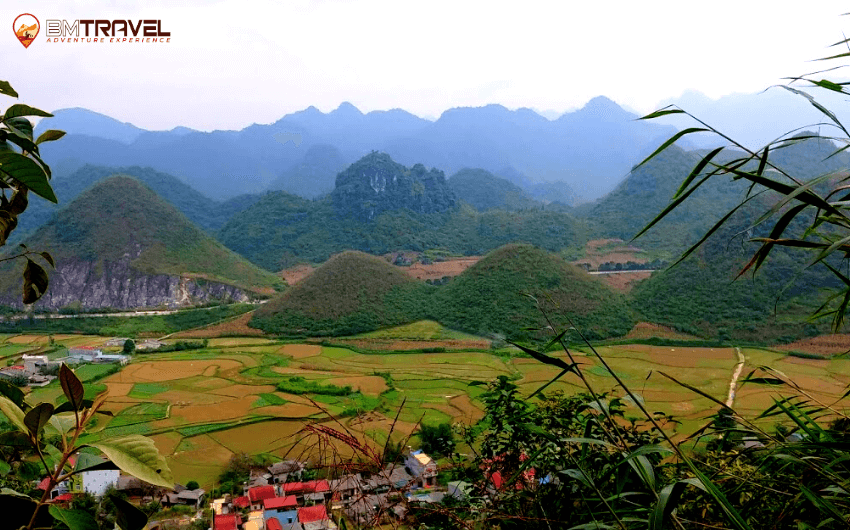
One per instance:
(353,292)
(701,295)
(485,191)
(491,297)
(282,229)
(121,245)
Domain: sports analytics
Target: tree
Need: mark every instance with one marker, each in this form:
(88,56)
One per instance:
(22,171)
(192,485)
(437,439)
(129,346)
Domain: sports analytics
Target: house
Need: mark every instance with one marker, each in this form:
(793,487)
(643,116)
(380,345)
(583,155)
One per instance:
(33,363)
(186,497)
(315,518)
(260,493)
(93,355)
(13,372)
(227,522)
(347,487)
(282,471)
(284,509)
(314,490)
(95,482)
(241,502)
(422,467)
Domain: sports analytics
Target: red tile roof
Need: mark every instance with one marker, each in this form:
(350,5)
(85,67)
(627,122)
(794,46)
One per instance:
(312,514)
(44,483)
(310,486)
(273,524)
(227,522)
(280,502)
(65,497)
(241,502)
(261,493)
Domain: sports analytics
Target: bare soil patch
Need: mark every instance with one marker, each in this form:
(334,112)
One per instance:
(237,326)
(300,351)
(822,345)
(646,330)
(239,391)
(171,370)
(295,274)
(615,250)
(438,269)
(624,281)
(368,384)
(225,410)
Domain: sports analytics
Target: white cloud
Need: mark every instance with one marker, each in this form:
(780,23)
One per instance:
(232,63)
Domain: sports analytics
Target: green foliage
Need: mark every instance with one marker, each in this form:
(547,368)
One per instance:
(129,346)
(192,485)
(351,293)
(148,324)
(282,230)
(298,385)
(485,191)
(437,440)
(132,217)
(504,292)
(55,435)
(22,170)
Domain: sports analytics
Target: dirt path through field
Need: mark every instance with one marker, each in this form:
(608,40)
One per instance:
(733,384)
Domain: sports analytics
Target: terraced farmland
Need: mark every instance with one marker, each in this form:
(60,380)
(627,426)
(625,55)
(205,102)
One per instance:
(202,406)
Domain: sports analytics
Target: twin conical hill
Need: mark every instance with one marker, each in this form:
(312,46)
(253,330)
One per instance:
(493,297)
(121,245)
(351,293)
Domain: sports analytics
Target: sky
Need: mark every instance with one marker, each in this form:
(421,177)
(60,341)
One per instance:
(231,63)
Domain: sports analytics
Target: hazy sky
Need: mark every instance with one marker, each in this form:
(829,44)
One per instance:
(232,63)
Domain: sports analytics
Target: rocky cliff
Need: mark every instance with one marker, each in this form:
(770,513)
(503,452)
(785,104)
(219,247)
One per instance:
(375,184)
(88,285)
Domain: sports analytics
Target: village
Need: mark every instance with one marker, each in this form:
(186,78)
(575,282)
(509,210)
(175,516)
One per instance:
(277,497)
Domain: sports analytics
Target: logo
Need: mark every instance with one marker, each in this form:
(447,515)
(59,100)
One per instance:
(26,28)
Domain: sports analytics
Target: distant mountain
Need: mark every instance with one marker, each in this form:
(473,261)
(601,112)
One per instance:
(755,119)
(204,212)
(314,175)
(119,245)
(89,123)
(589,150)
(371,213)
(492,297)
(376,184)
(352,293)
(485,191)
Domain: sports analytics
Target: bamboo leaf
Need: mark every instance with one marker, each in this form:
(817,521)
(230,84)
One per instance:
(670,142)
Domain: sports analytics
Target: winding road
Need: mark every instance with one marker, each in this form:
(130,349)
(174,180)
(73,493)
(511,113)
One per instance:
(733,384)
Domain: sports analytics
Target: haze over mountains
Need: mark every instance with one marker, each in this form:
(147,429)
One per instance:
(590,149)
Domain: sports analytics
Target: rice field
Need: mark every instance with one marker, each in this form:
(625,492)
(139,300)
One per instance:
(202,406)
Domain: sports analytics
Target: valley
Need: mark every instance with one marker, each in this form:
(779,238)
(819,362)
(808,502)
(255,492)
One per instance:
(236,394)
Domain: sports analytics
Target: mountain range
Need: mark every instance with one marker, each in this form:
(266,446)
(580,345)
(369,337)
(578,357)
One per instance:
(590,149)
